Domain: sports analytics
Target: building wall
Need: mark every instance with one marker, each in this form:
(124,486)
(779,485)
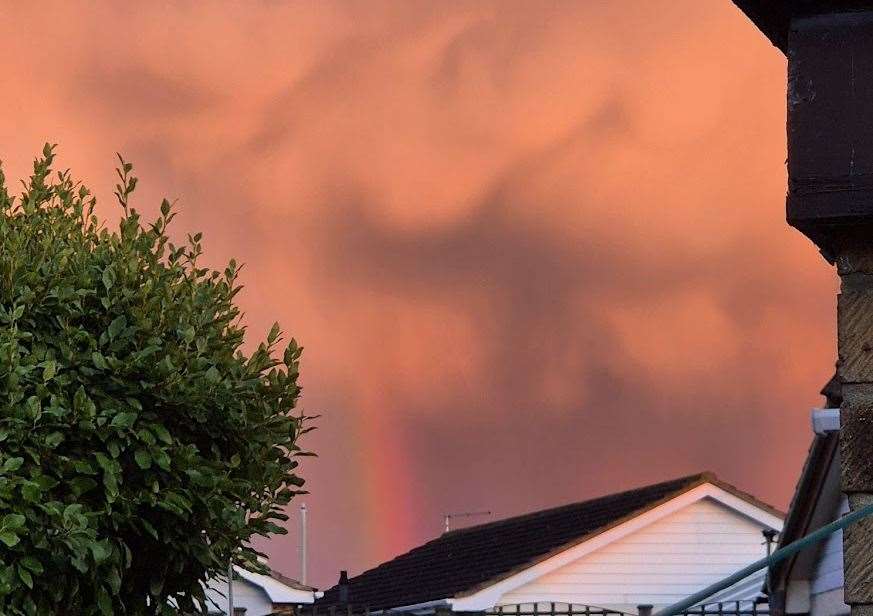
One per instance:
(659,564)
(829,603)
(245,594)
(828,571)
(826,586)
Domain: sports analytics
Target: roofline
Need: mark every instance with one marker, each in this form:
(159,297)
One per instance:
(290,582)
(705,479)
(810,484)
(692,482)
(254,578)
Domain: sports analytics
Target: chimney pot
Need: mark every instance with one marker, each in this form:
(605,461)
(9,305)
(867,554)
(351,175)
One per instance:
(344,587)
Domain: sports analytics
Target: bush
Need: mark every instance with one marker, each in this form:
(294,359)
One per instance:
(140,447)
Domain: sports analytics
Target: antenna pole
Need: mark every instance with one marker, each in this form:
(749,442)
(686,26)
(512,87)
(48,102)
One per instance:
(466,514)
(303,545)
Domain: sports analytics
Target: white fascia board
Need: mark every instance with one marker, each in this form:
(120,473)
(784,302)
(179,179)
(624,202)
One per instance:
(488,597)
(416,608)
(825,421)
(762,516)
(275,590)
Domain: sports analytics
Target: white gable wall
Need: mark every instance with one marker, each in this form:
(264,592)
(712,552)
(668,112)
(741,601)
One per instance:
(245,594)
(659,564)
(828,572)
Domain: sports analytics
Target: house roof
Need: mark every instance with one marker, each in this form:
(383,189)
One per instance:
(463,561)
(773,17)
(278,588)
(290,582)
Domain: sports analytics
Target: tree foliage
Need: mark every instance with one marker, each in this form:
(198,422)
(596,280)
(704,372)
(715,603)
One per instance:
(140,447)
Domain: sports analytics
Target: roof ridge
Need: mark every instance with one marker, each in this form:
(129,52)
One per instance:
(685,482)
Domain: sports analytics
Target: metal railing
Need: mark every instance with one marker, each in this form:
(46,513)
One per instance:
(551,609)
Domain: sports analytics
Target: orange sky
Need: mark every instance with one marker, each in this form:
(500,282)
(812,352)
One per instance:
(536,251)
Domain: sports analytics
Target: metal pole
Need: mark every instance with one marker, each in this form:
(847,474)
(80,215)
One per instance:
(303,546)
(768,561)
(769,538)
(466,514)
(230,587)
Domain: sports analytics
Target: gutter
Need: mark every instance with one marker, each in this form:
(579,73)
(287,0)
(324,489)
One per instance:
(825,421)
(416,608)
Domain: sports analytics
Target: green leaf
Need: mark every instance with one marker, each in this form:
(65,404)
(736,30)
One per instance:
(162,433)
(54,439)
(108,278)
(48,372)
(82,485)
(104,601)
(143,459)
(12,521)
(213,375)
(98,360)
(12,464)
(274,333)
(117,326)
(34,407)
(32,564)
(99,550)
(124,420)
(84,467)
(31,491)
(161,458)
(24,576)
(9,538)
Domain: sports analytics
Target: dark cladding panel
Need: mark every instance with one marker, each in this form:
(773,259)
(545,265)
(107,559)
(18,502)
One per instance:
(830,123)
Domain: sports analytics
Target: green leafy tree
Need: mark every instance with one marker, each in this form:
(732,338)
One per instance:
(140,446)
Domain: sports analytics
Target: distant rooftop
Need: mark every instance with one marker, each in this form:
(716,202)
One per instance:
(465,560)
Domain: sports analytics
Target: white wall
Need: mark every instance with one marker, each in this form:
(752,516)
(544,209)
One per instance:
(826,586)
(245,594)
(828,571)
(659,564)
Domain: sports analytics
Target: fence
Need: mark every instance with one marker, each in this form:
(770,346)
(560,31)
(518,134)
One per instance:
(551,609)
(728,608)
(528,609)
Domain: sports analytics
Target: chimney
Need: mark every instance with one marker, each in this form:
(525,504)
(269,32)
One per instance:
(829,46)
(344,587)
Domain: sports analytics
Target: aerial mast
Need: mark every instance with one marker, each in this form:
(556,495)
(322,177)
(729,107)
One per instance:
(466,514)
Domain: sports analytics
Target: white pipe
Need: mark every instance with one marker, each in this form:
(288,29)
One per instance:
(303,554)
(230,587)
(825,421)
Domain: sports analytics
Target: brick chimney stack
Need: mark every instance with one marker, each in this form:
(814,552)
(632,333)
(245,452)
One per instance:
(829,46)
